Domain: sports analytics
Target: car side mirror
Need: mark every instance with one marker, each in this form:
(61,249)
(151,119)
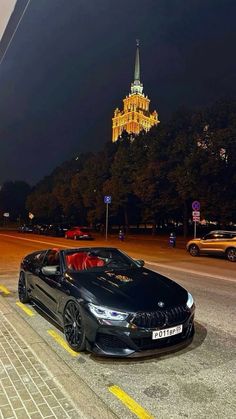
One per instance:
(140,263)
(51,270)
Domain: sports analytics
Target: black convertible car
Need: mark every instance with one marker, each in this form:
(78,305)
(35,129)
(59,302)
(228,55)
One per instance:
(107,302)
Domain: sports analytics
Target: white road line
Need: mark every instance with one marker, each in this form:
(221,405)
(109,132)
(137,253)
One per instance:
(160,265)
(35,241)
(190,271)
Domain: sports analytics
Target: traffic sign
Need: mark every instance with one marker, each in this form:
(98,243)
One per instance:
(196,213)
(196,218)
(196,206)
(6,214)
(107,199)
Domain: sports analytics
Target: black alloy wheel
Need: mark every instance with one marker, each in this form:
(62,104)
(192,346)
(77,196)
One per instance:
(73,327)
(193,250)
(231,254)
(22,289)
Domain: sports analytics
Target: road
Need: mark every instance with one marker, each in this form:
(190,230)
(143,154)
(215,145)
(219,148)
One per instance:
(197,382)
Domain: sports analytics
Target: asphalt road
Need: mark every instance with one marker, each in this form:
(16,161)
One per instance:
(197,382)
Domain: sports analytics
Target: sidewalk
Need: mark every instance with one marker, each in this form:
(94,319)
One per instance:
(34,382)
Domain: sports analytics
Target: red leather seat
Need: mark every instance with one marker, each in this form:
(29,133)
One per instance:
(75,261)
(92,261)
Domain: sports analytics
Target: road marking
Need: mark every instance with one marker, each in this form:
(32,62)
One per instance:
(36,241)
(25,308)
(190,271)
(4,290)
(161,265)
(62,342)
(132,405)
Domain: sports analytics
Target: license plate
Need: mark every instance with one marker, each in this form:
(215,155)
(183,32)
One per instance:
(165,333)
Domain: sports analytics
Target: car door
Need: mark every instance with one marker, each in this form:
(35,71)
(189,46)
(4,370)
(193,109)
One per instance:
(49,286)
(213,243)
(34,266)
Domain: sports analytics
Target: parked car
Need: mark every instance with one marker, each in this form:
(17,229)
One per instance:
(107,302)
(40,228)
(218,242)
(78,233)
(25,228)
(57,230)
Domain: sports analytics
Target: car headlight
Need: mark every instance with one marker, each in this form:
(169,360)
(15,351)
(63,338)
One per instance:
(190,300)
(105,313)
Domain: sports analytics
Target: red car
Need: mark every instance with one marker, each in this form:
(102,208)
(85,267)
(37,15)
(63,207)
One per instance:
(78,233)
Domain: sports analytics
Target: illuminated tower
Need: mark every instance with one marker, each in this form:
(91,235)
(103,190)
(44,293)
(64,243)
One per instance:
(136,115)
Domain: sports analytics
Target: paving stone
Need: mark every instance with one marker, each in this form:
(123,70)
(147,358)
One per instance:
(36,416)
(3,400)
(44,410)
(38,398)
(30,406)
(16,403)
(74,414)
(24,394)
(7,411)
(22,414)
(60,413)
(11,392)
(52,401)
(6,382)
(45,391)
(27,389)
(57,393)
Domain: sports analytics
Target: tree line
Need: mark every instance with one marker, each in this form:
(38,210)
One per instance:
(153,177)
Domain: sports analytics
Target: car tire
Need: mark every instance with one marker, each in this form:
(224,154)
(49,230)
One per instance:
(22,289)
(74,327)
(231,254)
(193,250)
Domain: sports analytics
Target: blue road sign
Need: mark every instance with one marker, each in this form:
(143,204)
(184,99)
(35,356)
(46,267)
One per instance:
(107,199)
(196,206)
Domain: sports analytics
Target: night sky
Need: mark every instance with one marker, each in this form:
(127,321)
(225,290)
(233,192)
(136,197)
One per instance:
(72,61)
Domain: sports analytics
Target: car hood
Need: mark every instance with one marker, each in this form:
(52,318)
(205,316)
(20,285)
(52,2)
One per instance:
(136,289)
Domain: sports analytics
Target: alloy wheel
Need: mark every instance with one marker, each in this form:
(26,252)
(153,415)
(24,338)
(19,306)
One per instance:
(194,250)
(231,254)
(73,327)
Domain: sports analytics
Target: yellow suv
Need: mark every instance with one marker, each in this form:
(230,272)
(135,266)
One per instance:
(216,242)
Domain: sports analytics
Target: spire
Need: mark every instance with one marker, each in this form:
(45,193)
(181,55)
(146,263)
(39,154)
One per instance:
(136,86)
(137,63)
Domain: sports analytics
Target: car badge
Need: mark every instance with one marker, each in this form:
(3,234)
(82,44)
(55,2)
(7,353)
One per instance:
(160,304)
(124,278)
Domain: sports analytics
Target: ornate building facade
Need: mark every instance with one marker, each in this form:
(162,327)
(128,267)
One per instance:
(135,115)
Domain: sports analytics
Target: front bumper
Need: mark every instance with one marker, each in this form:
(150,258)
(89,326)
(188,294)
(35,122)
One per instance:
(126,341)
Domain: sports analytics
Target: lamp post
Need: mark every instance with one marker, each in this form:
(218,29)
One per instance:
(107,201)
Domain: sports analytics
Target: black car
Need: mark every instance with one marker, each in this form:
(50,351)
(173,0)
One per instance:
(107,302)
(25,228)
(56,230)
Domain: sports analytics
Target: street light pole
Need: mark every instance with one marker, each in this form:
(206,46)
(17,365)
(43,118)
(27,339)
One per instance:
(106,219)
(107,201)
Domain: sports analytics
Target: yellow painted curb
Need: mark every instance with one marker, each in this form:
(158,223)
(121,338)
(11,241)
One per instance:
(4,290)
(62,342)
(132,405)
(25,308)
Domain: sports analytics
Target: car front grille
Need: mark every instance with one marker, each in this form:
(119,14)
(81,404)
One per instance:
(161,318)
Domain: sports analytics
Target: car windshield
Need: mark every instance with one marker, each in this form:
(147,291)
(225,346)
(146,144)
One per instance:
(98,259)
